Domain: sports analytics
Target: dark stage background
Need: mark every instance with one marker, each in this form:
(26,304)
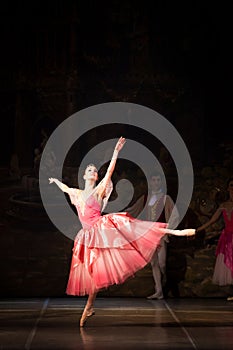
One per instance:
(58,57)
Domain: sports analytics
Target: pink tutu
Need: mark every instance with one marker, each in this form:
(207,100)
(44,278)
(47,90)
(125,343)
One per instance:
(109,248)
(113,249)
(223,270)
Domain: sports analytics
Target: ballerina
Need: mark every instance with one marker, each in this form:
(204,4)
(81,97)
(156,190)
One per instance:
(109,248)
(223,269)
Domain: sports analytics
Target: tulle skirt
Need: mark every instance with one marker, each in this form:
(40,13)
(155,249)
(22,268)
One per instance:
(222,274)
(223,270)
(99,260)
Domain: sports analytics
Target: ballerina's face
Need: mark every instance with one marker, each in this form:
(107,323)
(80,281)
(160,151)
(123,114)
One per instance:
(91,173)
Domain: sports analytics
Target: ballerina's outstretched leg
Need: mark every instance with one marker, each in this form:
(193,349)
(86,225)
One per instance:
(185,232)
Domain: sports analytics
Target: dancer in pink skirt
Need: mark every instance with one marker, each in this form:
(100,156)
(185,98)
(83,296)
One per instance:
(109,248)
(223,269)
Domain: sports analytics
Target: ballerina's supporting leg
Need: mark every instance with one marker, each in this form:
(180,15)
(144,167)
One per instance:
(88,310)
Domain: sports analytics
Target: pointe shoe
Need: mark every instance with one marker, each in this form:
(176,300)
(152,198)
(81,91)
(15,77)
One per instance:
(85,315)
(187,232)
(230,299)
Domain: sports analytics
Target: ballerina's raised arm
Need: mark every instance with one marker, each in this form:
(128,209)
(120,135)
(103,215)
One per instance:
(111,167)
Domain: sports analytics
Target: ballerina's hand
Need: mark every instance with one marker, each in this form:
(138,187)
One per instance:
(120,143)
(51,180)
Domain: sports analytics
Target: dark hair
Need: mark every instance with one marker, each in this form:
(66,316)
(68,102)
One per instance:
(88,165)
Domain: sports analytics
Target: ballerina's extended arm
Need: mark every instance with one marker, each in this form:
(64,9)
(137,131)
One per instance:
(62,186)
(212,220)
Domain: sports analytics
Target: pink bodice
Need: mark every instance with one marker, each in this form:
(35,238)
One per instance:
(228,220)
(89,212)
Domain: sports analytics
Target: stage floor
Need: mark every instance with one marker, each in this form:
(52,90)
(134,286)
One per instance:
(119,323)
